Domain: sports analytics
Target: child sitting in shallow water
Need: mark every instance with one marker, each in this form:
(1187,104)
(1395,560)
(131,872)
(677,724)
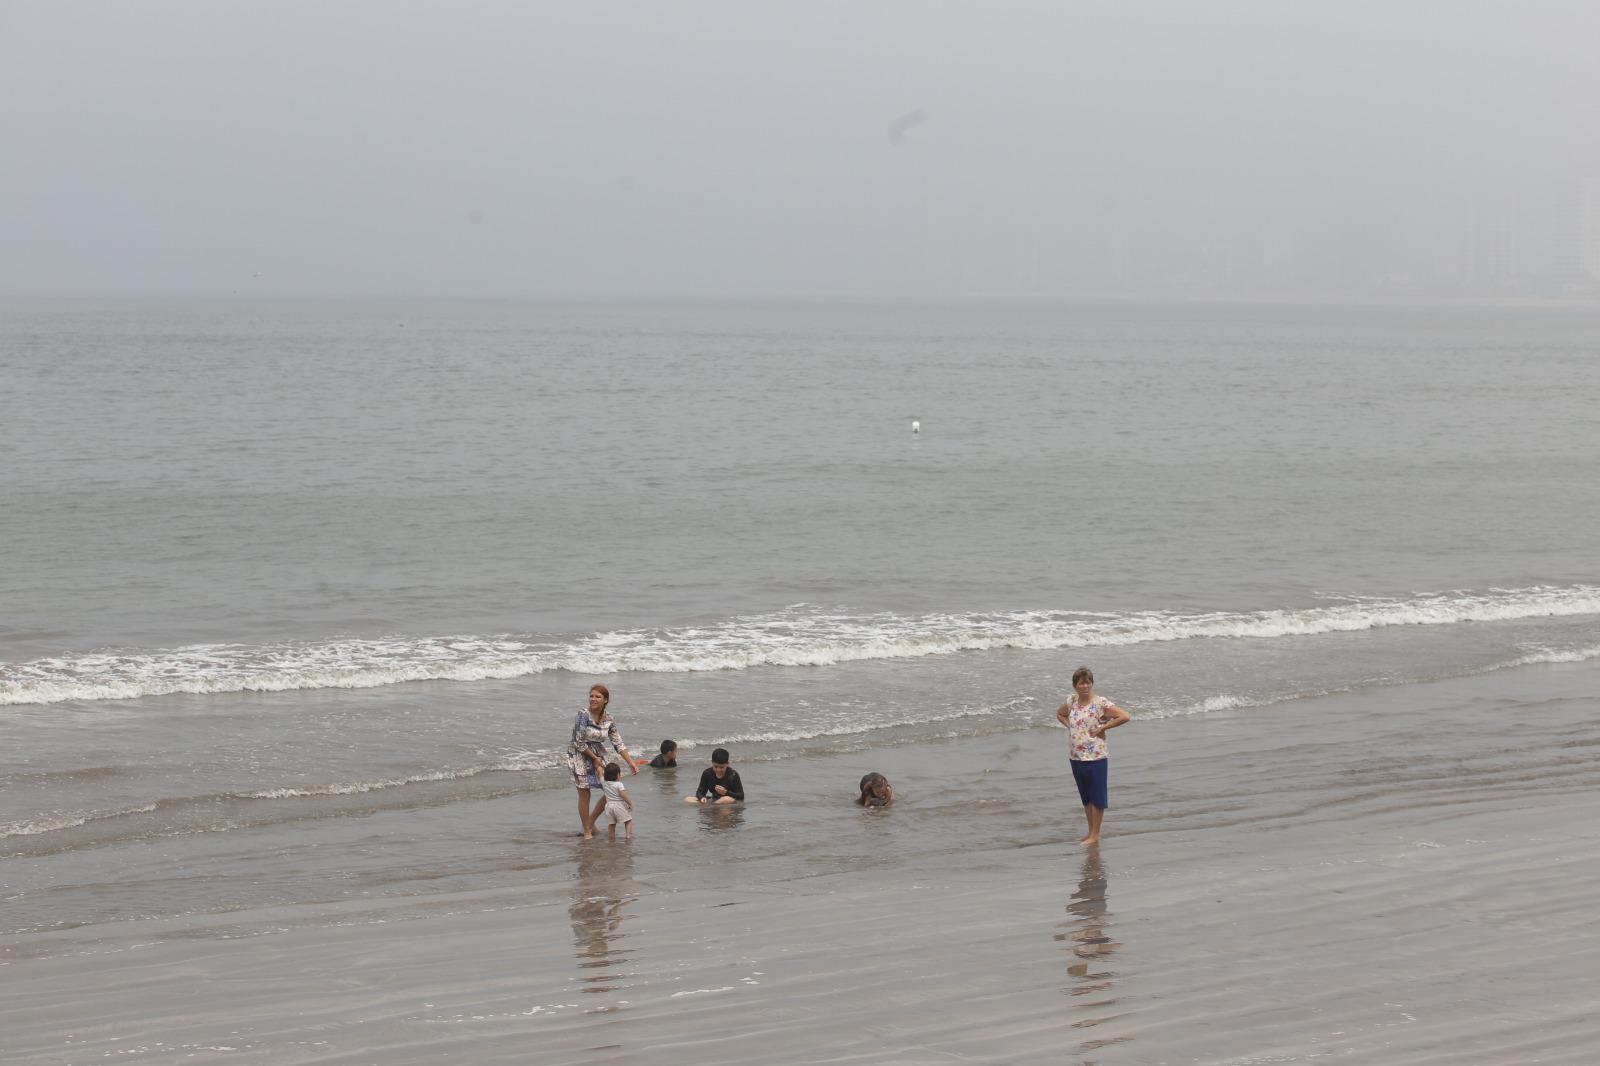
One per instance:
(668,759)
(719,783)
(875,791)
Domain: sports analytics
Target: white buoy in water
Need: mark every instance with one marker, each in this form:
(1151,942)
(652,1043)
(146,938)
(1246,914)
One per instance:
(916,426)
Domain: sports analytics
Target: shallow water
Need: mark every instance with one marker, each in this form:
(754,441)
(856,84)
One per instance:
(1395,874)
(285,579)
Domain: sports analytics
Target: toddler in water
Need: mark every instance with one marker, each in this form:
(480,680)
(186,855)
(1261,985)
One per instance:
(615,803)
(668,759)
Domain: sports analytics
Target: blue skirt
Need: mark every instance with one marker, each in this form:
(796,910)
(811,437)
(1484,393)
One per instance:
(1091,778)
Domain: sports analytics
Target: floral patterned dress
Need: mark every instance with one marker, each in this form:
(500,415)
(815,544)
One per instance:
(1085,746)
(589,735)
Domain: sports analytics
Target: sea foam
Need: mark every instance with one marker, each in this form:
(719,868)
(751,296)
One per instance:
(801,635)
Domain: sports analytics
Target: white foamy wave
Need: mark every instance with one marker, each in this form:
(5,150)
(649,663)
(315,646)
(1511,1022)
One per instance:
(55,825)
(1227,702)
(1557,655)
(517,761)
(359,787)
(797,636)
(851,728)
(1223,702)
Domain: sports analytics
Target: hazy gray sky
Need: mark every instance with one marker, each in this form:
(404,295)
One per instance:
(750,149)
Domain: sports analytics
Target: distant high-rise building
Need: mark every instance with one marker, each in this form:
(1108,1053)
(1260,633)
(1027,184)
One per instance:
(1491,241)
(1540,237)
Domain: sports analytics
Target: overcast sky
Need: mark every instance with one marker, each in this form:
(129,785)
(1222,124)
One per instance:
(785,149)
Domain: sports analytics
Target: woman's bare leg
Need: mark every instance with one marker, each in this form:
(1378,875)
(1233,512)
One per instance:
(583,813)
(1095,815)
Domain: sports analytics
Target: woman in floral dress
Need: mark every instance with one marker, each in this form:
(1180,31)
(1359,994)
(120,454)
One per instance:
(592,730)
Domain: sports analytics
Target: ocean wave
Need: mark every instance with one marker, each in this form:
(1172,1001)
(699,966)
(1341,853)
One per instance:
(798,636)
(39,826)
(1221,702)
(1538,655)
(370,790)
(821,732)
(545,759)
(1225,701)
(518,762)
(1557,655)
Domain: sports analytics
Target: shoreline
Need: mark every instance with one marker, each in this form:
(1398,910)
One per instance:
(1431,907)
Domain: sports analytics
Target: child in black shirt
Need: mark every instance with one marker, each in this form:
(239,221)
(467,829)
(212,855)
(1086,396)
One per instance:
(719,783)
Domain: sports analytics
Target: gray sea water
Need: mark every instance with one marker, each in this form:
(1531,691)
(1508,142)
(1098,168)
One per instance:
(272,571)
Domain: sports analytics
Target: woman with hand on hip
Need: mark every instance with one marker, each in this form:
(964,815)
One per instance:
(592,730)
(1087,717)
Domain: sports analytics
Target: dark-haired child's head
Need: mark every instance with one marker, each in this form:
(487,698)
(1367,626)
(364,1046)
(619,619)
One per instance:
(613,772)
(720,757)
(668,747)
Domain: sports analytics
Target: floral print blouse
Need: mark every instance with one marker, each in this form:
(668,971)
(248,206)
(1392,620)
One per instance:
(1085,747)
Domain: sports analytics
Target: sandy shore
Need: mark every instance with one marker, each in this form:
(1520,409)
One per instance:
(1398,876)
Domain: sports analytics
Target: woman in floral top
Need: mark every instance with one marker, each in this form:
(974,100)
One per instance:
(592,730)
(1087,717)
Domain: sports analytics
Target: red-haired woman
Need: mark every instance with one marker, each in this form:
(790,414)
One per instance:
(592,730)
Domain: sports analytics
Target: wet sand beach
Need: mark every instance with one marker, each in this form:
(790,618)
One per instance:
(1397,875)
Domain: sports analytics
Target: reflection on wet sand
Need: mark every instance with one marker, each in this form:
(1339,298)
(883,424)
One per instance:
(1087,934)
(603,890)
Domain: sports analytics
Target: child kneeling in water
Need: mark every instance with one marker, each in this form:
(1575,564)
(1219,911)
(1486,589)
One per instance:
(719,783)
(615,803)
